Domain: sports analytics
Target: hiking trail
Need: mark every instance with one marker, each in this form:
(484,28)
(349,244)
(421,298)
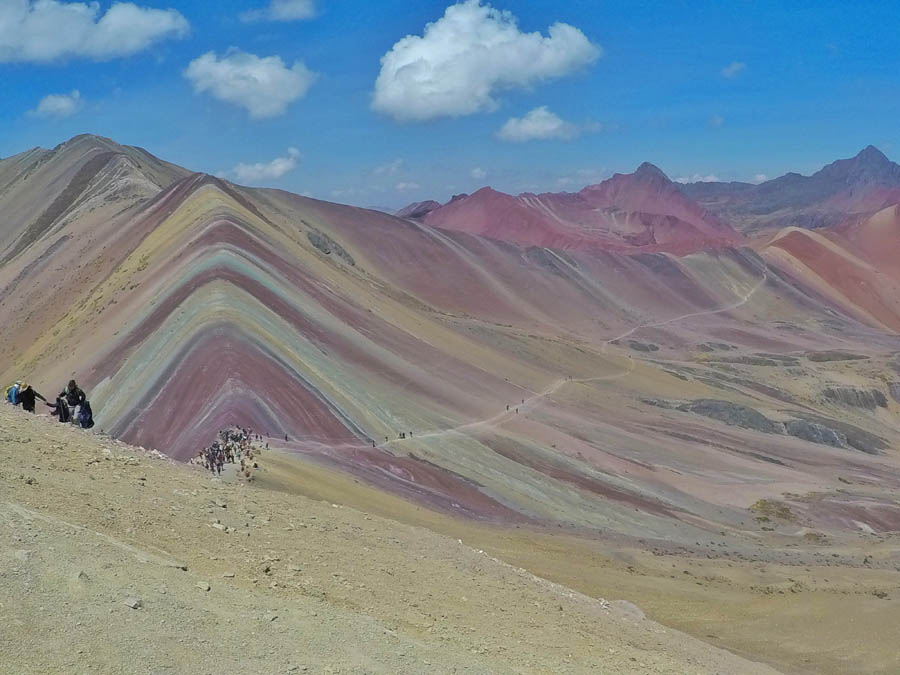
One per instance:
(537,397)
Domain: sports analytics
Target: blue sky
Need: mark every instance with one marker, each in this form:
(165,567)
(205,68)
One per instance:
(735,90)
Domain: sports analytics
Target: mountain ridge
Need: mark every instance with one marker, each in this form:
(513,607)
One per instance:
(641,211)
(844,189)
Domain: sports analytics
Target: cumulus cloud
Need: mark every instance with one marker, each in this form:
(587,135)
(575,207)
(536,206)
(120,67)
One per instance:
(406,187)
(734,69)
(538,124)
(262,171)
(759,178)
(465,58)
(59,106)
(478,173)
(40,31)
(282,10)
(264,86)
(698,178)
(389,169)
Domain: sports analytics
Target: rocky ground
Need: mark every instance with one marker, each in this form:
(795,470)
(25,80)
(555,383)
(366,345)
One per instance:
(114,560)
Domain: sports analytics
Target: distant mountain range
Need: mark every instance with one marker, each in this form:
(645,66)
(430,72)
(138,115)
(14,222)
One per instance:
(645,211)
(861,185)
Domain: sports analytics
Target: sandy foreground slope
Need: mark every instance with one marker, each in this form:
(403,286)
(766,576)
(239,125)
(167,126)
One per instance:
(235,579)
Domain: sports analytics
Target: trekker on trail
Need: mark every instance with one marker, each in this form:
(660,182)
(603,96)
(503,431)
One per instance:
(12,392)
(60,409)
(73,394)
(26,397)
(85,415)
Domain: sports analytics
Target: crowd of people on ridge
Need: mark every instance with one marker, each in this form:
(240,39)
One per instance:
(235,446)
(70,407)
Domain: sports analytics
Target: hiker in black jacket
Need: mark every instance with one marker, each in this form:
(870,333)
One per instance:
(73,394)
(26,397)
(60,409)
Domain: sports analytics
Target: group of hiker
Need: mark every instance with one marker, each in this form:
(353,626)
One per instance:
(235,446)
(70,407)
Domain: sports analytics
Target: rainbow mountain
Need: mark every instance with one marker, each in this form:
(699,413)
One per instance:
(586,387)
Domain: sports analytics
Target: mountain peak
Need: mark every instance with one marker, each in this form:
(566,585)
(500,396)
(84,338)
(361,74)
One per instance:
(649,171)
(90,140)
(872,156)
(869,167)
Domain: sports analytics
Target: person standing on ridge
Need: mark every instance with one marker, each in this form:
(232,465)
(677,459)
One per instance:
(73,394)
(60,409)
(27,396)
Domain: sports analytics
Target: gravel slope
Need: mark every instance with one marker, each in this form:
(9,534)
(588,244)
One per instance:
(89,527)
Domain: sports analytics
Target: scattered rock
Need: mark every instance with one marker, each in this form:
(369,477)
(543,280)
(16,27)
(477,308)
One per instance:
(134,603)
(327,245)
(894,388)
(203,586)
(816,433)
(658,403)
(715,347)
(23,555)
(228,575)
(768,360)
(630,610)
(869,399)
(643,346)
(857,438)
(834,355)
(731,413)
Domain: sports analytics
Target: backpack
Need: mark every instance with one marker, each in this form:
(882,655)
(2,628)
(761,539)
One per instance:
(85,416)
(62,410)
(12,394)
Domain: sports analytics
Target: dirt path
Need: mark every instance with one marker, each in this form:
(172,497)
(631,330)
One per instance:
(538,397)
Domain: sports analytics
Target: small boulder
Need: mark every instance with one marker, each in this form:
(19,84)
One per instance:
(630,610)
(134,603)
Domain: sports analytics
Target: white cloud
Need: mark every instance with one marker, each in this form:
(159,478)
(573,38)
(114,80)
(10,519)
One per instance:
(261,171)
(759,178)
(265,86)
(478,173)
(59,106)
(282,10)
(40,31)
(716,121)
(734,69)
(538,124)
(698,178)
(465,58)
(406,187)
(389,169)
